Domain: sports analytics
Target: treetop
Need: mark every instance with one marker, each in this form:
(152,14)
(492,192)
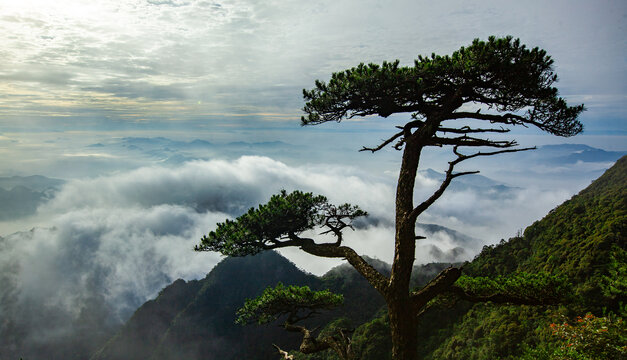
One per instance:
(513,81)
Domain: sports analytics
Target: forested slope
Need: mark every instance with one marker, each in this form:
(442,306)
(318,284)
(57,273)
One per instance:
(582,240)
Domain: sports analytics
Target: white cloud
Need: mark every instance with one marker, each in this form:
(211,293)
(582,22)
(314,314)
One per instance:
(125,236)
(123,254)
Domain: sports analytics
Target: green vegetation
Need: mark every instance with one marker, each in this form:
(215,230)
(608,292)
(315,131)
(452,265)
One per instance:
(299,303)
(585,338)
(278,223)
(530,289)
(583,239)
(286,300)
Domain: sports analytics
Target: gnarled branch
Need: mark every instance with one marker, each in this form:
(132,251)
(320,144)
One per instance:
(508,118)
(383,144)
(374,277)
(438,285)
(470,141)
(310,343)
(339,342)
(449,176)
(284,354)
(468,130)
(502,298)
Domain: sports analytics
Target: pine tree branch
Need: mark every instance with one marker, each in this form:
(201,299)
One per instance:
(449,176)
(468,130)
(383,144)
(436,286)
(501,298)
(406,131)
(284,354)
(490,153)
(508,118)
(470,141)
(372,275)
(340,343)
(310,344)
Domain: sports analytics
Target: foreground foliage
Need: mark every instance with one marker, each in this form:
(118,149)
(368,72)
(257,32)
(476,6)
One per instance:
(298,302)
(586,338)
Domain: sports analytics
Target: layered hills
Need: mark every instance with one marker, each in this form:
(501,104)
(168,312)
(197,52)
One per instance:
(196,319)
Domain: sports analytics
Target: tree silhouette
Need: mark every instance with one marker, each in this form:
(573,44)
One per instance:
(497,82)
(298,303)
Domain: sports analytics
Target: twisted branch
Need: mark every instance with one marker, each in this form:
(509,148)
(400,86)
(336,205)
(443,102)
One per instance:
(501,298)
(383,144)
(449,176)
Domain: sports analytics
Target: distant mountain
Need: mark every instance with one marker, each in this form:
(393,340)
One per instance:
(143,143)
(566,154)
(172,152)
(461,246)
(478,183)
(460,238)
(34,182)
(20,196)
(263,144)
(196,320)
(143,332)
(565,149)
(19,202)
(572,153)
(199,143)
(151,144)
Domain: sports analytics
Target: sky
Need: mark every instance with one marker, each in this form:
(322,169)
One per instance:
(109,96)
(239,67)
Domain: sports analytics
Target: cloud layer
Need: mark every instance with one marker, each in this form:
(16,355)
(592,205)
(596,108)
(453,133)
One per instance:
(134,231)
(119,239)
(123,63)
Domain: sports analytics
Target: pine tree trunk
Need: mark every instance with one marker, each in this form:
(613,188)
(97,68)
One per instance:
(403,323)
(403,326)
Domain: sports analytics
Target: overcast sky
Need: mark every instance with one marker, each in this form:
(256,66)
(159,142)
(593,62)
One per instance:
(226,67)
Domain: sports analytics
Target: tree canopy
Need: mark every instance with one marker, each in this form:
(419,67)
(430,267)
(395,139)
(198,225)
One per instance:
(501,73)
(297,302)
